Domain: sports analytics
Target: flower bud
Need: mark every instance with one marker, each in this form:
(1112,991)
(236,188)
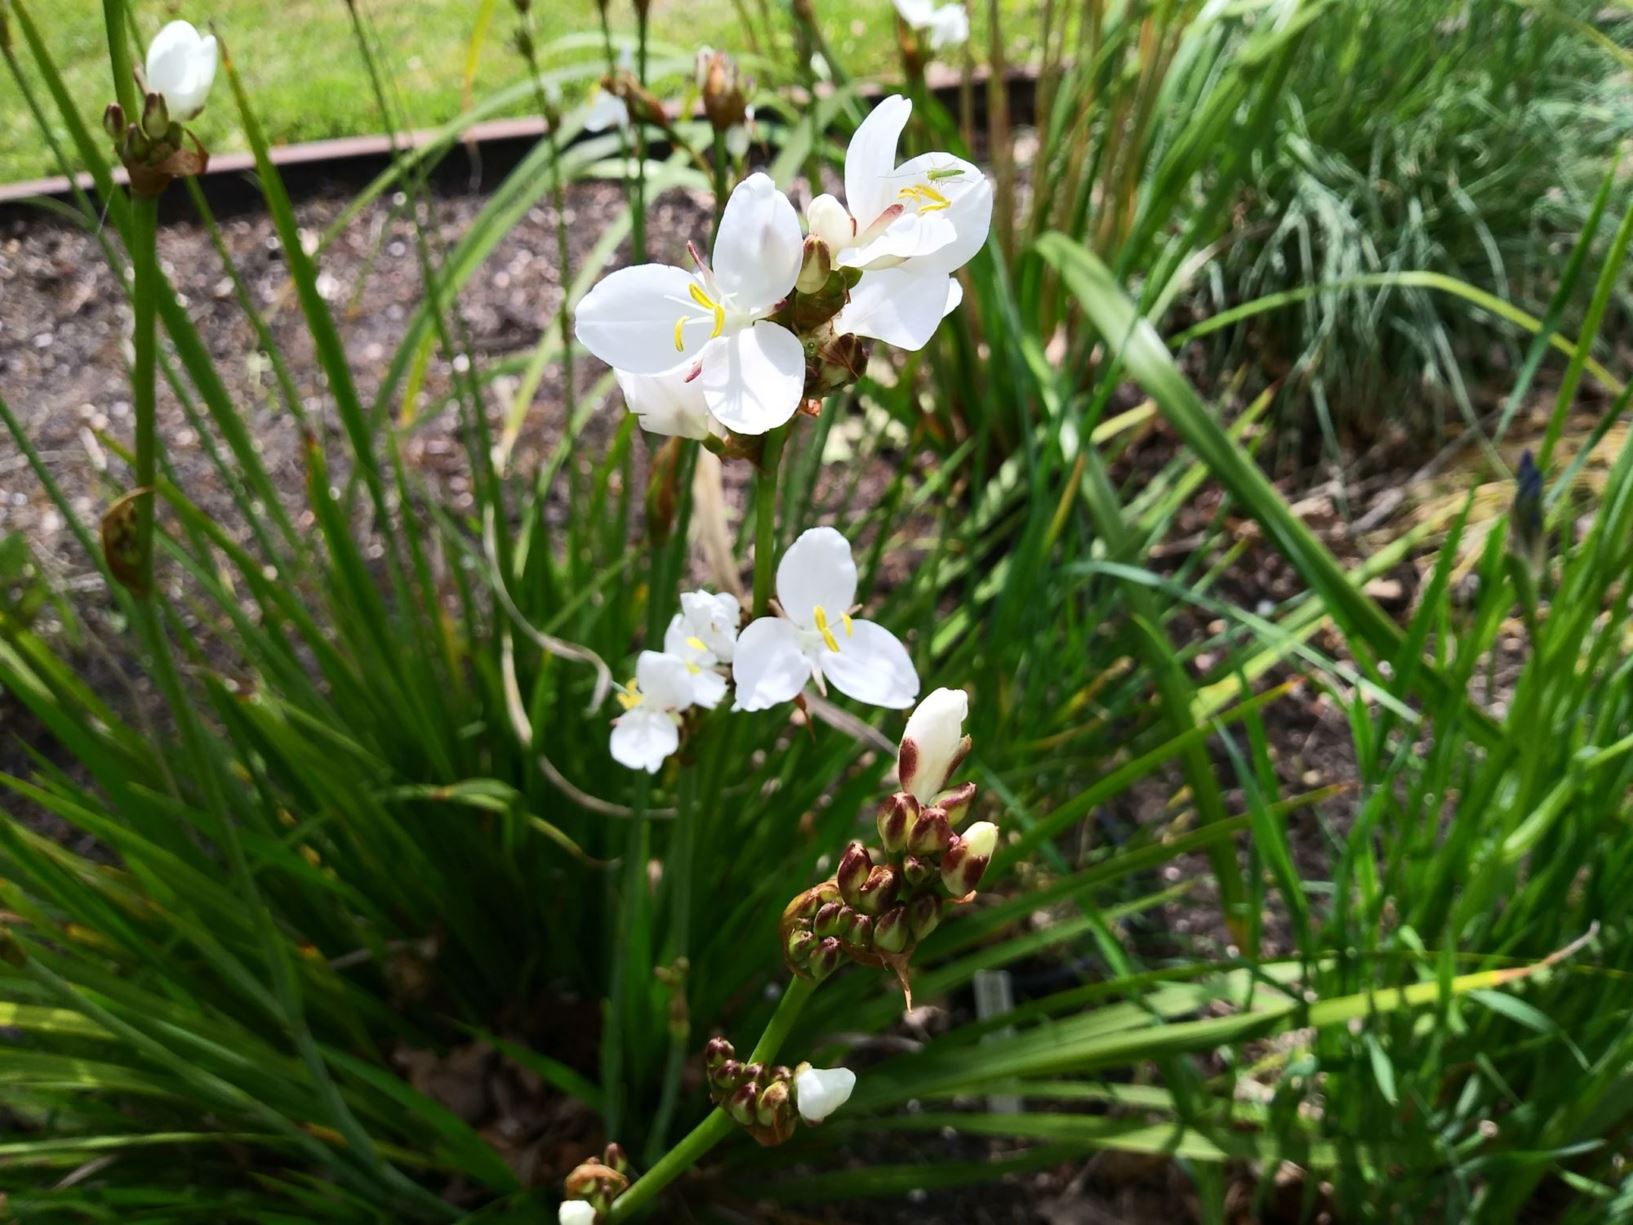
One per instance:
(816,266)
(830,222)
(743,1104)
(967,858)
(575,1212)
(727,1076)
(856,931)
(798,946)
(825,960)
(155,116)
(934,743)
(721,83)
(854,866)
(113,121)
(931,834)
(895,820)
(923,914)
(956,803)
(180,67)
(774,1104)
(917,872)
(716,1051)
(879,890)
(821,1091)
(614,1157)
(829,919)
(891,933)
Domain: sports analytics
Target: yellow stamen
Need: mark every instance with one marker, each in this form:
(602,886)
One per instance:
(708,304)
(849,627)
(680,341)
(820,615)
(697,644)
(630,696)
(927,197)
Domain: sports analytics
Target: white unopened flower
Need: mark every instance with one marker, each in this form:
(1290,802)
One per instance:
(649,729)
(816,639)
(980,839)
(947,25)
(818,1092)
(653,318)
(576,1212)
(933,743)
(670,404)
(181,67)
(908,227)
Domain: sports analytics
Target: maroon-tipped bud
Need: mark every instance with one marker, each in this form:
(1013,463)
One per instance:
(891,933)
(825,960)
(779,1071)
(896,821)
(752,1072)
(113,121)
(854,866)
(879,890)
(956,803)
(857,931)
(931,835)
(798,946)
(923,914)
(829,919)
(776,1099)
(613,1155)
(816,265)
(727,1076)
(744,1104)
(716,1051)
(967,858)
(917,872)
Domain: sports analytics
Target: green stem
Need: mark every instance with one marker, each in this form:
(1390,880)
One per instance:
(720,164)
(637,235)
(718,1125)
(145,302)
(124,76)
(765,519)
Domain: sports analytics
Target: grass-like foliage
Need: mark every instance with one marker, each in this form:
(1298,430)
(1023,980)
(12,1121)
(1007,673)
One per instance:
(361,815)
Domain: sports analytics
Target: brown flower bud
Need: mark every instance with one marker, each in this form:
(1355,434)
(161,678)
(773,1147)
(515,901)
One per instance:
(854,866)
(879,890)
(891,933)
(857,931)
(956,803)
(895,820)
(825,960)
(917,872)
(829,920)
(923,914)
(931,834)
(774,1104)
(743,1104)
(716,1051)
(816,266)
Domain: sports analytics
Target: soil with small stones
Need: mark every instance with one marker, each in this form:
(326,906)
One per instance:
(63,351)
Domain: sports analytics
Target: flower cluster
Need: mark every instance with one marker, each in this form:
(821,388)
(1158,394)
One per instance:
(769,1101)
(813,638)
(774,318)
(592,1186)
(882,901)
(175,81)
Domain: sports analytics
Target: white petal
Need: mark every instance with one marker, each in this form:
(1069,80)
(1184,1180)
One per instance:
(955,295)
(713,617)
(605,111)
(769,668)
(817,570)
(708,687)
(665,681)
(670,404)
(642,738)
(628,319)
(753,380)
(576,1212)
(871,665)
(181,65)
(968,214)
(916,13)
(821,1091)
(935,729)
(897,306)
(910,236)
(949,27)
(829,221)
(870,162)
(758,250)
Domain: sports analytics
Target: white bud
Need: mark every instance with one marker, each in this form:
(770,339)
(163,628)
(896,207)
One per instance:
(821,1091)
(576,1212)
(181,67)
(980,839)
(827,219)
(936,733)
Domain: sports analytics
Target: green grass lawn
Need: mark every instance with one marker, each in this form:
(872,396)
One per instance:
(307,79)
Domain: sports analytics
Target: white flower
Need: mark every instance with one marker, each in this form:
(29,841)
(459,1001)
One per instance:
(933,743)
(670,403)
(607,109)
(816,638)
(703,635)
(576,1212)
(908,227)
(818,1092)
(649,729)
(980,839)
(181,67)
(652,318)
(948,25)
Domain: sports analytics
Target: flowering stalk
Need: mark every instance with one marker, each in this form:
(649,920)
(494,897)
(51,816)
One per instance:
(718,1125)
(765,520)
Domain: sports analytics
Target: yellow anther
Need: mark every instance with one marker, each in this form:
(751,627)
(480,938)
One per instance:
(630,696)
(708,304)
(928,198)
(849,627)
(820,615)
(680,340)
(697,644)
